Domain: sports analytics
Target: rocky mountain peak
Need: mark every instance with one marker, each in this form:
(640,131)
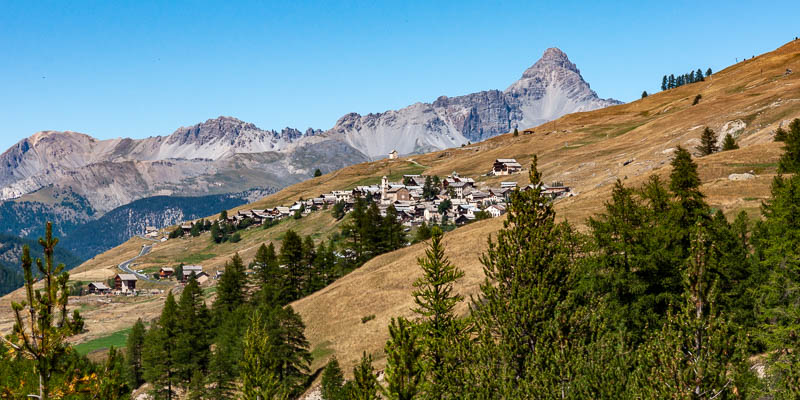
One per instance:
(553,58)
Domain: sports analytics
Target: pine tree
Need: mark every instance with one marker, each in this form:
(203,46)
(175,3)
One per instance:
(134,346)
(664,83)
(158,353)
(790,160)
(333,387)
(697,354)
(292,258)
(708,142)
(672,83)
(46,313)
(729,143)
(113,384)
(644,94)
(423,233)
(231,287)
(708,72)
(228,351)
(317,173)
(195,232)
(699,75)
(435,305)
(364,385)
(529,328)
(223,215)
(394,236)
(192,350)
(780,135)
(516,132)
(404,370)
(268,276)
(259,377)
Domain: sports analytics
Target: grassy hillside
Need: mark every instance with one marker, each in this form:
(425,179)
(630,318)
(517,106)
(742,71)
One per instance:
(588,151)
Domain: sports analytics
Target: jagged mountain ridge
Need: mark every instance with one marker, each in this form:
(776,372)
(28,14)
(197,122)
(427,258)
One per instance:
(552,87)
(225,154)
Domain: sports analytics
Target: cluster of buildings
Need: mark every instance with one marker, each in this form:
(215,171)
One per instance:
(463,199)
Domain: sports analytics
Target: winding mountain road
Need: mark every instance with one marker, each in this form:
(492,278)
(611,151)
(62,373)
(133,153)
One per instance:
(125,266)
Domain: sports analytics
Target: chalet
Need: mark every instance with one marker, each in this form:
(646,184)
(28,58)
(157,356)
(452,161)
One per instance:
(125,283)
(477,196)
(431,214)
(166,272)
(414,180)
(342,195)
(329,198)
(496,210)
(99,288)
(187,228)
(459,189)
(188,270)
(506,166)
(151,232)
(393,155)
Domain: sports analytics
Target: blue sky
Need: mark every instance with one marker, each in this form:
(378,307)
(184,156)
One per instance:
(142,68)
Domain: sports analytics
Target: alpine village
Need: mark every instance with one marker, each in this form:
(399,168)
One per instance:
(475,247)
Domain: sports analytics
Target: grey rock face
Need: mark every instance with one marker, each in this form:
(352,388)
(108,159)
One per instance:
(552,87)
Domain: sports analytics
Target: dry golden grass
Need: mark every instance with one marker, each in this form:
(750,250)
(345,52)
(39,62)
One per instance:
(588,151)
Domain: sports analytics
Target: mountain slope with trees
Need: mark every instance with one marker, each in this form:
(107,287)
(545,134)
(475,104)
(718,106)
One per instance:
(634,173)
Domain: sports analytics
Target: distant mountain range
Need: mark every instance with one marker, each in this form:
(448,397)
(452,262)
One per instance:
(72,178)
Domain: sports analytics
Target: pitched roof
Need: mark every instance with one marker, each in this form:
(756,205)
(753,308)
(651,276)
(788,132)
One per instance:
(99,285)
(128,277)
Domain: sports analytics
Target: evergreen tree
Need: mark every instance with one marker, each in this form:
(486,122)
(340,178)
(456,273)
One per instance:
(364,385)
(228,351)
(158,354)
(685,184)
(664,83)
(428,190)
(708,72)
(289,355)
(516,132)
(231,287)
(259,377)
(195,232)
(708,142)
(268,276)
(423,233)
(790,160)
(697,354)
(223,215)
(404,371)
(780,135)
(193,340)
(353,231)
(46,313)
(217,235)
(729,143)
(435,305)
(529,327)
(338,210)
(699,75)
(393,235)
(134,346)
(292,258)
(644,94)
(672,82)
(317,173)
(333,387)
